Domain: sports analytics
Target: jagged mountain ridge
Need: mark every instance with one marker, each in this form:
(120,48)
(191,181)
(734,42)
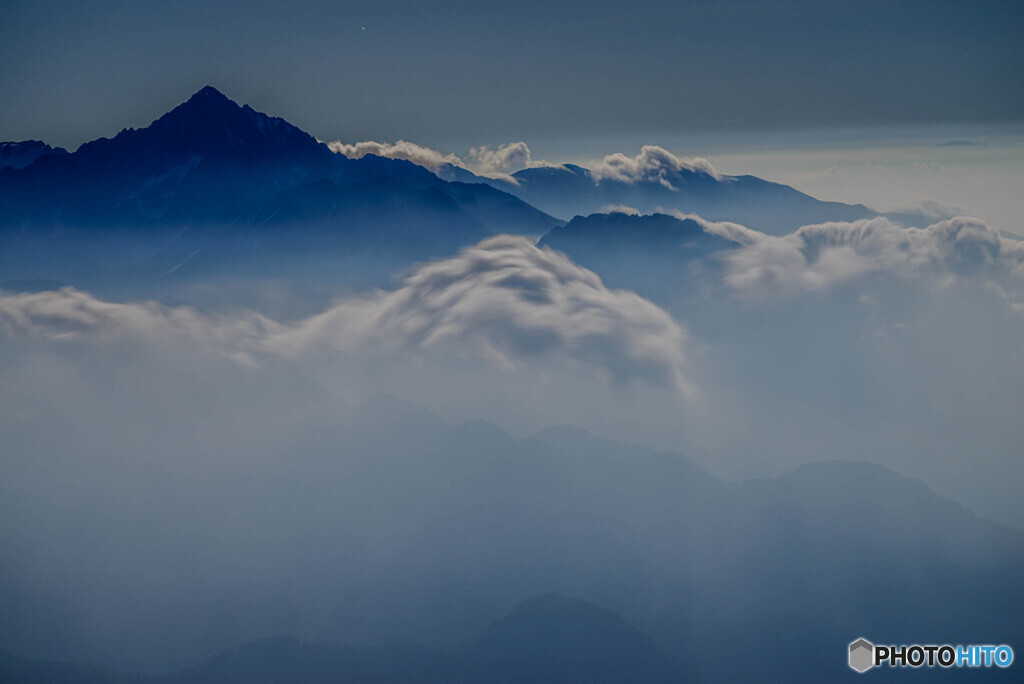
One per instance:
(22,153)
(230,189)
(570,190)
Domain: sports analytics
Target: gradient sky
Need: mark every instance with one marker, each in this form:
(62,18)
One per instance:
(452,71)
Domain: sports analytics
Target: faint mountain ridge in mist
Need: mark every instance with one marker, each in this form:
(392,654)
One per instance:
(547,638)
(398,527)
(554,638)
(283,659)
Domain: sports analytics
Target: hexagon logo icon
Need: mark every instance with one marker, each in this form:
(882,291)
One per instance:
(862,655)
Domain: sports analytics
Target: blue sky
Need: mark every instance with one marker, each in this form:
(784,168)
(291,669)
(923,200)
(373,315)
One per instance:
(452,72)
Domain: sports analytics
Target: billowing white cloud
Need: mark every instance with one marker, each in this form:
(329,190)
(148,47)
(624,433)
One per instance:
(483,161)
(417,154)
(503,161)
(653,165)
(820,257)
(504,299)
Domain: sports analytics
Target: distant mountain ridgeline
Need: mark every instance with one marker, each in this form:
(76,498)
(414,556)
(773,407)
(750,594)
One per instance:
(213,189)
(217,188)
(546,639)
(569,190)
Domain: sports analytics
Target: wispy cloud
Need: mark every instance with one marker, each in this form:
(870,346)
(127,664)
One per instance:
(653,164)
(417,154)
(500,162)
(961,143)
(620,209)
(70,314)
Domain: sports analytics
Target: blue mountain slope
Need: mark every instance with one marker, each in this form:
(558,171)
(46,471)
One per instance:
(18,155)
(569,190)
(232,185)
(656,255)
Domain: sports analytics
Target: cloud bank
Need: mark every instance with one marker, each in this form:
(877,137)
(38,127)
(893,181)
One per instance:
(820,257)
(70,314)
(503,299)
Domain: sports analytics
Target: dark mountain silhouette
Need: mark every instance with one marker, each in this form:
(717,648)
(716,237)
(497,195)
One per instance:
(212,187)
(18,155)
(569,190)
(206,160)
(650,234)
(654,255)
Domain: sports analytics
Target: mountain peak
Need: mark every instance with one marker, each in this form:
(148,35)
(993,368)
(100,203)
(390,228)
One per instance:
(209,92)
(209,120)
(207,104)
(208,99)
